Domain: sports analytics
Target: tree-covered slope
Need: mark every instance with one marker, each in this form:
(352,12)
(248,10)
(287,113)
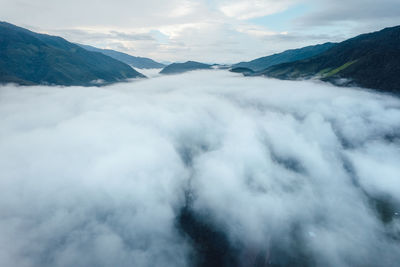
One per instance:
(370,60)
(30,58)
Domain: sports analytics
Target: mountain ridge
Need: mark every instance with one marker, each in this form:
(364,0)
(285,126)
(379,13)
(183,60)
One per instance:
(137,62)
(177,68)
(369,60)
(290,55)
(29,58)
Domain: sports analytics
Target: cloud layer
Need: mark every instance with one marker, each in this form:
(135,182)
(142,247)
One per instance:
(283,171)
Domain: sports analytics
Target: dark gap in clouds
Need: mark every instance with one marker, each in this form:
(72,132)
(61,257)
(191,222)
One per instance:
(383,206)
(393,137)
(188,151)
(291,163)
(210,246)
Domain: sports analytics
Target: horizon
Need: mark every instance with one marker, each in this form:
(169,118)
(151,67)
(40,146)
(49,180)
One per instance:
(222,32)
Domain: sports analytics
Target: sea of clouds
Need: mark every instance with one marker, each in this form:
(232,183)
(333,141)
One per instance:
(283,173)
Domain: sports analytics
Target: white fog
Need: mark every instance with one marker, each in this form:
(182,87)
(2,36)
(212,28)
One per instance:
(282,171)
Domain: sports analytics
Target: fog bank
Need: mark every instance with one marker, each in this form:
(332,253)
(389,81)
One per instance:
(206,168)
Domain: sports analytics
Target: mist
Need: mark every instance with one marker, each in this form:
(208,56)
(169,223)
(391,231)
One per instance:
(206,168)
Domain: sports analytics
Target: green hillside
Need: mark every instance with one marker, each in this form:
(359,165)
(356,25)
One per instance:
(30,58)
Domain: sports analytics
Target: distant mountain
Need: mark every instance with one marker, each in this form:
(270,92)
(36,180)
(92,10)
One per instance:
(137,62)
(370,60)
(284,57)
(244,71)
(166,63)
(30,58)
(176,68)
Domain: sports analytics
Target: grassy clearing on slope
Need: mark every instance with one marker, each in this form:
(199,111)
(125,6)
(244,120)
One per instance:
(335,71)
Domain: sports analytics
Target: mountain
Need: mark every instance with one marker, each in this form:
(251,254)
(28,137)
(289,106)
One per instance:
(29,58)
(242,70)
(137,62)
(176,68)
(368,60)
(284,57)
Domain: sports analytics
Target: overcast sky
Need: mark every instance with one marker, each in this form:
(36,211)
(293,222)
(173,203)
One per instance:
(222,31)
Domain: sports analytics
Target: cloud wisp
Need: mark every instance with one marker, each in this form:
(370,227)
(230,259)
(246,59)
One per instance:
(219,31)
(133,174)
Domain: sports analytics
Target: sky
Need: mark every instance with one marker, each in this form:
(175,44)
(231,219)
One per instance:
(221,31)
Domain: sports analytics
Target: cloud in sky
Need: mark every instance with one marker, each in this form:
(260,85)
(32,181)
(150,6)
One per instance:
(193,28)
(253,8)
(286,170)
(366,11)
